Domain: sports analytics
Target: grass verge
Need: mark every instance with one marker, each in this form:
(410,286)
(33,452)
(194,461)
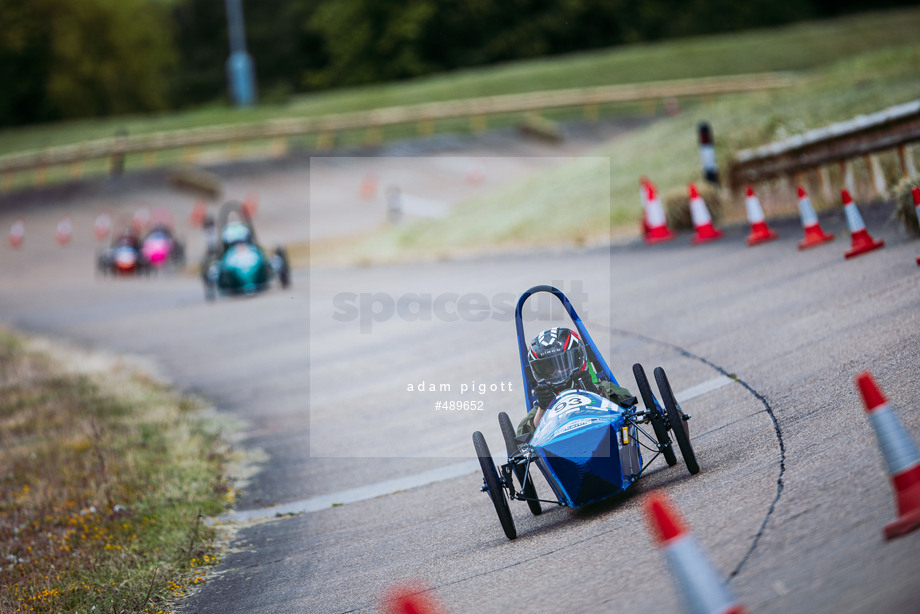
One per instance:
(105,477)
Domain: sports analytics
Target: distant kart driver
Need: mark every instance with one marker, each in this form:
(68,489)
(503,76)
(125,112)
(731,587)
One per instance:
(558,361)
(235,232)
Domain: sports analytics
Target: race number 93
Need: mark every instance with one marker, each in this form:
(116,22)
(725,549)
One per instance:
(571,402)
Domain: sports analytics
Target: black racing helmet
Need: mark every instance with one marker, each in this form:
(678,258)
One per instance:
(556,356)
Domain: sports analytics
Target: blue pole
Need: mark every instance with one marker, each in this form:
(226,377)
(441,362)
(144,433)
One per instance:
(240,70)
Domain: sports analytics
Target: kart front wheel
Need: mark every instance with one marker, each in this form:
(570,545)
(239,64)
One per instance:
(530,491)
(658,423)
(493,486)
(679,426)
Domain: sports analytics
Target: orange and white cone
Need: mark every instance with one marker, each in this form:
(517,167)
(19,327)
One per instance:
(64,231)
(102,226)
(760,232)
(251,205)
(655,221)
(861,241)
(476,173)
(368,189)
(814,234)
(141,218)
(702,590)
(901,456)
(411,598)
(915,192)
(702,221)
(199,212)
(643,192)
(17,233)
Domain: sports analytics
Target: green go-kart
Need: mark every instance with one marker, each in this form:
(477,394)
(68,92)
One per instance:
(235,264)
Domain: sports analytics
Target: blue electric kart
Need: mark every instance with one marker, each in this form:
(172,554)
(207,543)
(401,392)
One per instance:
(587,446)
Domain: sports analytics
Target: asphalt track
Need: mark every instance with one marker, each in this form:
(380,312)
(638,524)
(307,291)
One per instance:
(789,504)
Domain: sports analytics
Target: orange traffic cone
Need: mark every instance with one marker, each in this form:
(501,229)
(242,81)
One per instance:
(251,205)
(760,232)
(699,583)
(64,231)
(369,187)
(901,456)
(861,241)
(410,599)
(814,235)
(656,223)
(701,219)
(916,194)
(17,233)
(476,173)
(102,226)
(199,212)
(643,180)
(141,218)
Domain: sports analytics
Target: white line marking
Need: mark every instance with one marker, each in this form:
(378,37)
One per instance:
(378,489)
(353,495)
(703,388)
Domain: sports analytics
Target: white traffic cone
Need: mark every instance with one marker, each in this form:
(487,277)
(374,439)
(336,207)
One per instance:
(760,232)
(702,221)
(702,590)
(861,240)
(901,456)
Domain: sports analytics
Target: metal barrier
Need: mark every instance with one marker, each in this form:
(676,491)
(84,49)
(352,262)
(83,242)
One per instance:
(894,128)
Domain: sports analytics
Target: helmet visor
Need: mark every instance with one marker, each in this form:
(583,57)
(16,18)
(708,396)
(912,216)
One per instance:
(559,368)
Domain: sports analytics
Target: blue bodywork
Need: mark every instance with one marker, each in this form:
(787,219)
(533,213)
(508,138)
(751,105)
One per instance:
(585,444)
(586,448)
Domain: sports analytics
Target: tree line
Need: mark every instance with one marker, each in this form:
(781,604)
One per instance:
(65,59)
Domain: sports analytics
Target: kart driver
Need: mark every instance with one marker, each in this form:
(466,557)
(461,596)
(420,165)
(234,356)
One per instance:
(235,232)
(558,361)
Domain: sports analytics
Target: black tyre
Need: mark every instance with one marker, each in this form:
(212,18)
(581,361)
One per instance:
(179,254)
(679,426)
(496,493)
(530,491)
(658,423)
(284,271)
(210,292)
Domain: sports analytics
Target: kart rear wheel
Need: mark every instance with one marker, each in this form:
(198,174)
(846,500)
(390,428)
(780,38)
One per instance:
(178,254)
(530,491)
(678,425)
(493,487)
(658,423)
(284,271)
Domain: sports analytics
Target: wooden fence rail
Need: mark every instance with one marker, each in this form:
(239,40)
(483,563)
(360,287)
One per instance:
(115,148)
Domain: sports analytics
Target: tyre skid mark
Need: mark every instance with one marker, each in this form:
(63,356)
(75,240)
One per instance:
(763,401)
